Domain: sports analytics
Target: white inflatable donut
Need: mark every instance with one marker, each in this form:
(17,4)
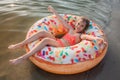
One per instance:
(67,60)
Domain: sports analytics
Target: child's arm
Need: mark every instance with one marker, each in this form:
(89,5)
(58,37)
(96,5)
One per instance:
(51,9)
(90,37)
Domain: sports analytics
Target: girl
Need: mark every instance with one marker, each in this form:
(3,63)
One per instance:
(74,35)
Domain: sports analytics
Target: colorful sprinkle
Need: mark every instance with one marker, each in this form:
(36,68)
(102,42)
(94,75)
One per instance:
(56,53)
(85,55)
(63,56)
(77,55)
(97,53)
(83,50)
(72,61)
(43,53)
(66,53)
(79,59)
(61,53)
(39,53)
(95,48)
(45,28)
(49,48)
(93,33)
(39,26)
(89,56)
(51,52)
(78,51)
(51,58)
(76,60)
(94,41)
(46,52)
(69,17)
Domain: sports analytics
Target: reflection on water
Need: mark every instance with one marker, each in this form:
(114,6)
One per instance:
(16,16)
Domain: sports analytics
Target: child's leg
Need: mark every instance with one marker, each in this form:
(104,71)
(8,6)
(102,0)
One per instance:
(40,34)
(39,46)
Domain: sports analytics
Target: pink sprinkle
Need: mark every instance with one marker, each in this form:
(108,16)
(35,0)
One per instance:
(97,53)
(85,55)
(49,48)
(72,60)
(39,53)
(51,58)
(46,52)
(78,51)
(63,56)
(93,33)
(48,23)
(77,55)
(84,59)
(79,59)
(34,30)
(86,43)
(83,50)
(89,56)
(52,20)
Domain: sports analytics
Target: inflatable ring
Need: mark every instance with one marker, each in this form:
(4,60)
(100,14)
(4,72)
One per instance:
(67,60)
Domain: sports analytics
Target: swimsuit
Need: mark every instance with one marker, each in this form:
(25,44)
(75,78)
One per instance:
(60,42)
(69,39)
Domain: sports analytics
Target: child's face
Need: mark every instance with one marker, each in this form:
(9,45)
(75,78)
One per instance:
(80,25)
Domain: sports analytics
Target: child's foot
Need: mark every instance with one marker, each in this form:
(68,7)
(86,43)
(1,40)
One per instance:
(16,61)
(15,46)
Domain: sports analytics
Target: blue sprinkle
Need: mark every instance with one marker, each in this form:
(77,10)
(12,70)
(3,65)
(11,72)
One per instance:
(95,47)
(90,27)
(76,60)
(43,53)
(45,28)
(94,41)
(45,19)
(39,26)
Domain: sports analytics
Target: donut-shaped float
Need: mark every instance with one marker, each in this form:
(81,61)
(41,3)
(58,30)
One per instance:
(71,59)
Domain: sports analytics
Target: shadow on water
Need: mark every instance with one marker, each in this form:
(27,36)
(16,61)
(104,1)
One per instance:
(17,16)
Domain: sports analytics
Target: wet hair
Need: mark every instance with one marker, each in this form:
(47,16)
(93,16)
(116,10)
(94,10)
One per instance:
(87,21)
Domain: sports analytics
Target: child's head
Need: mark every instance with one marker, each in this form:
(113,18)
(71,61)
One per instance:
(82,24)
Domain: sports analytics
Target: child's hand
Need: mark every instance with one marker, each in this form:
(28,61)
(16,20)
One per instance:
(51,9)
(100,40)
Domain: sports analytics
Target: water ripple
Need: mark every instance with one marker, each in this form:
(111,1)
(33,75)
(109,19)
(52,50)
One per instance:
(98,10)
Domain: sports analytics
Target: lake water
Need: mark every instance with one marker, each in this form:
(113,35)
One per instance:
(16,17)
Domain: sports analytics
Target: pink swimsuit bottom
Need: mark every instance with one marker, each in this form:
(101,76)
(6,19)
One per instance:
(60,42)
(69,38)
